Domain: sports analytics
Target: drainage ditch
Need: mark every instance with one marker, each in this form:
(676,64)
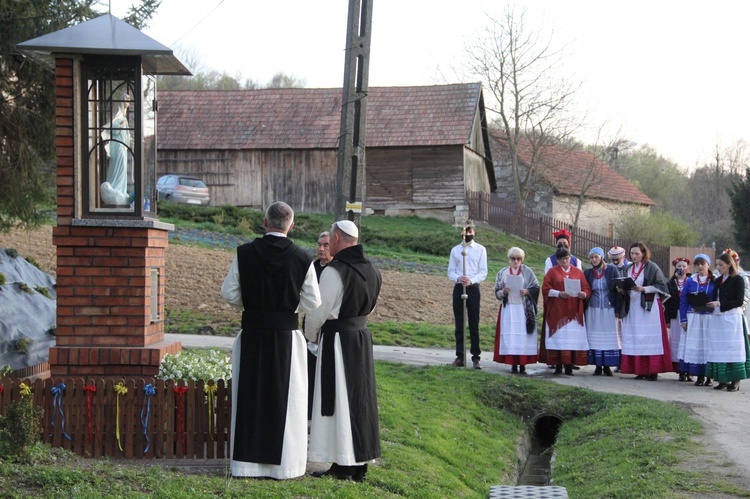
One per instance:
(539,446)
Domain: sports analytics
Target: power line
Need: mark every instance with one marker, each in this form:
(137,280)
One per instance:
(198,23)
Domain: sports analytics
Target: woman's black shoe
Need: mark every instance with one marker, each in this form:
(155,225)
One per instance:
(721,386)
(569,370)
(598,371)
(652,377)
(514,369)
(733,386)
(607,371)
(558,370)
(700,381)
(640,376)
(708,382)
(522,370)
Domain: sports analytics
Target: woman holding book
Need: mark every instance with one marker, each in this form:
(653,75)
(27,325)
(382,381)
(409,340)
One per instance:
(564,290)
(645,343)
(728,347)
(601,323)
(694,319)
(517,288)
(675,285)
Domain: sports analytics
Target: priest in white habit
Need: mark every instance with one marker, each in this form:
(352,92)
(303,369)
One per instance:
(345,426)
(271,279)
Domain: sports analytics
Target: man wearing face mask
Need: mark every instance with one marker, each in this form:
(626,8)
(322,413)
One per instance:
(468,276)
(672,312)
(619,264)
(562,240)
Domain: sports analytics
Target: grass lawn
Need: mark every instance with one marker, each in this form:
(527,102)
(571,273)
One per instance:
(445,433)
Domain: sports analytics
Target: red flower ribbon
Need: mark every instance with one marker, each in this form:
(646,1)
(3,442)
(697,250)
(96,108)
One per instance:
(90,391)
(180,391)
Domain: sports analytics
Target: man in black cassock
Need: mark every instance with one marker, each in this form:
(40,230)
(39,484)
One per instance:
(271,279)
(344,428)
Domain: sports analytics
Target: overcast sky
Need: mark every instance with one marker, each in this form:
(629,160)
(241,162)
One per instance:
(673,74)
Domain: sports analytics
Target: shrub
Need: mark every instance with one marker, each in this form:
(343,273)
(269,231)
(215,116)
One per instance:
(19,429)
(11,252)
(203,365)
(22,346)
(33,262)
(43,291)
(2,278)
(25,287)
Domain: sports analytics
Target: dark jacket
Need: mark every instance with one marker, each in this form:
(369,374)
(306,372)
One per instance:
(730,293)
(672,306)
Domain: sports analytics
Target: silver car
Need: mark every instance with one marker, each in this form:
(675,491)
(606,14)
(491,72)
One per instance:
(183,189)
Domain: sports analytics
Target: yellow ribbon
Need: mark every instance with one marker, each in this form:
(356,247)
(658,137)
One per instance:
(210,391)
(25,389)
(121,390)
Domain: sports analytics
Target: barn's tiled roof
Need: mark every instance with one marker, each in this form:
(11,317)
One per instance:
(305,118)
(565,170)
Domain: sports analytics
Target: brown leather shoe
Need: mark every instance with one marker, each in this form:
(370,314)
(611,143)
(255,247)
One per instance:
(459,362)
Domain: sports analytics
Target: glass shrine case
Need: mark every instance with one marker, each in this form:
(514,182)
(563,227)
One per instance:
(119,125)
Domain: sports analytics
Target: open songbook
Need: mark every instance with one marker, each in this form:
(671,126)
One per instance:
(698,300)
(624,283)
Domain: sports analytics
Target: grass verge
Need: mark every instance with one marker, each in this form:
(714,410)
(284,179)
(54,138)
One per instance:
(445,433)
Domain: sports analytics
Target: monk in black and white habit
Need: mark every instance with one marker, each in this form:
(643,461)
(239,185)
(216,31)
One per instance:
(271,279)
(344,429)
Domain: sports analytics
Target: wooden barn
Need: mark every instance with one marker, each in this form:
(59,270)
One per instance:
(425,146)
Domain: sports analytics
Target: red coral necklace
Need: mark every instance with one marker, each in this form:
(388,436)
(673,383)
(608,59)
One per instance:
(637,272)
(599,273)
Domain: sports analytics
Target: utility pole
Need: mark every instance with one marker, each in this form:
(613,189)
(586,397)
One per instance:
(350,176)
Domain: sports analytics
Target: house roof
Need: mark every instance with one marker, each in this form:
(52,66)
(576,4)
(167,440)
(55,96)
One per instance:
(309,118)
(564,169)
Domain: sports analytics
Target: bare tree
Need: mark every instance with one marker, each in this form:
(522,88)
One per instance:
(709,189)
(603,152)
(528,98)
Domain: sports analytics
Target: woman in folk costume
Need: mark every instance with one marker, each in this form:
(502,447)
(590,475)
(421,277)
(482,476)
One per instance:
(728,346)
(695,321)
(564,323)
(517,288)
(746,277)
(601,323)
(645,343)
(675,286)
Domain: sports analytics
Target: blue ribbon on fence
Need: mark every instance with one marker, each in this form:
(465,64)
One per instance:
(57,392)
(149,391)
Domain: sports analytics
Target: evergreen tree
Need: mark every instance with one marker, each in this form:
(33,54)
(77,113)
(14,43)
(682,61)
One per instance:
(27,102)
(739,193)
